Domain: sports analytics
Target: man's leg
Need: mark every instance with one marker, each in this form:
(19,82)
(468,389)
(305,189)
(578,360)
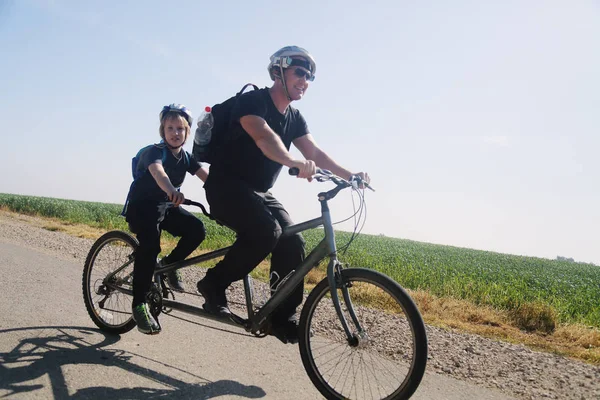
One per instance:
(258,231)
(287,255)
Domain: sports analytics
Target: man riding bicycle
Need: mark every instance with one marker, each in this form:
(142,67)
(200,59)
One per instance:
(264,125)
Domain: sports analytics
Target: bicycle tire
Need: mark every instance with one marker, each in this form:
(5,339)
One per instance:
(387,313)
(109,309)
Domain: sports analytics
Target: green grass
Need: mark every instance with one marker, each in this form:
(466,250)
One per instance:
(500,280)
(99,215)
(487,278)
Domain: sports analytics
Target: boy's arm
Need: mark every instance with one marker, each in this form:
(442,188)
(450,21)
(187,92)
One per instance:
(162,180)
(202,173)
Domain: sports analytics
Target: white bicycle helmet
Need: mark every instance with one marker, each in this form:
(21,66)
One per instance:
(180,109)
(282,59)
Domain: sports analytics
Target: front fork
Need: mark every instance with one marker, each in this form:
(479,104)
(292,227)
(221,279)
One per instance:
(336,281)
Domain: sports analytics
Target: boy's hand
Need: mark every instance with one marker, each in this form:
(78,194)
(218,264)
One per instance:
(176,198)
(162,180)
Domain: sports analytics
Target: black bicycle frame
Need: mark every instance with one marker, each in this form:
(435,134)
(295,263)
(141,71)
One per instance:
(256,321)
(326,247)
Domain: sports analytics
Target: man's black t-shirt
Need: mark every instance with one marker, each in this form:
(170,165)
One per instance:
(241,158)
(145,188)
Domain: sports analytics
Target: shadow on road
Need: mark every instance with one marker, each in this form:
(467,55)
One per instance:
(46,350)
(226,329)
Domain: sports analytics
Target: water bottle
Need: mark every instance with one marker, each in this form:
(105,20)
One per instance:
(204,129)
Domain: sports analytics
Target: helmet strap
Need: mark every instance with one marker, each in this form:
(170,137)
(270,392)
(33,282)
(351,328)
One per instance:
(282,76)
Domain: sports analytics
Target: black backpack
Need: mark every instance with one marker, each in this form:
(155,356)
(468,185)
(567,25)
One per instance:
(207,140)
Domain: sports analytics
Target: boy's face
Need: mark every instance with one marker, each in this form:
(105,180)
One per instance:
(174,129)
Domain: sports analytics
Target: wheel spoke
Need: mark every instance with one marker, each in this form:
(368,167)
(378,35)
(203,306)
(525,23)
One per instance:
(391,346)
(110,264)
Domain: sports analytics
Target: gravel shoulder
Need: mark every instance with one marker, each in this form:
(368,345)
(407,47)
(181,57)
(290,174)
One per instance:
(513,369)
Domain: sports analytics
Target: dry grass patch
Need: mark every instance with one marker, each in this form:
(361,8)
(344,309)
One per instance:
(454,313)
(531,324)
(315,276)
(56,225)
(534,317)
(578,335)
(54,228)
(81,231)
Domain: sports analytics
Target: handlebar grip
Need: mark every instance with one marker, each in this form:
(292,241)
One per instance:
(295,171)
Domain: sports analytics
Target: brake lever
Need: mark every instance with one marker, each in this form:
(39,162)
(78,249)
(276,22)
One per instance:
(356,180)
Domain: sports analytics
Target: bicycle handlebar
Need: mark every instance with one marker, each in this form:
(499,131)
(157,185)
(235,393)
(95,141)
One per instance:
(321,175)
(328,175)
(188,202)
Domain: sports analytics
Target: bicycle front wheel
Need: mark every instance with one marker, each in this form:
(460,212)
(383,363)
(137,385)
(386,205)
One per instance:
(109,264)
(386,356)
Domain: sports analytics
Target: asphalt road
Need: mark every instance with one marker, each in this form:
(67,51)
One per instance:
(49,348)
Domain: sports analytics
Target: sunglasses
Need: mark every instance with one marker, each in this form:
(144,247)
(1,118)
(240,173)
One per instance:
(300,73)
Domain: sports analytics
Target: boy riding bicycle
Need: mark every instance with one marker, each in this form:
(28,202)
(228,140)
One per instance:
(159,171)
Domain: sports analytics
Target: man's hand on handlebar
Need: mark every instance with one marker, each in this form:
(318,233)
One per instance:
(360,180)
(306,168)
(363,179)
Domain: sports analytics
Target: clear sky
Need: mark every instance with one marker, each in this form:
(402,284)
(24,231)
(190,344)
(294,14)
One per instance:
(478,121)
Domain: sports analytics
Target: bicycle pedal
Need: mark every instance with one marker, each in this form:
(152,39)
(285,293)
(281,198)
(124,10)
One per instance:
(168,294)
(238,320)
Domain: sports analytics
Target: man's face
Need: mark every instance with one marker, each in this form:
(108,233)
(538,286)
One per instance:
(297,81)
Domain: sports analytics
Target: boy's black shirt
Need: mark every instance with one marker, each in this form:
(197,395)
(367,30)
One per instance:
(145,188)
(241,159)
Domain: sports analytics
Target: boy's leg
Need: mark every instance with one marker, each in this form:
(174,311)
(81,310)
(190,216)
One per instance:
(143,221)
(181,223)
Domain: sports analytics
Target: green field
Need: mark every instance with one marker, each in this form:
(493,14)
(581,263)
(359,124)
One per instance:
(487,278)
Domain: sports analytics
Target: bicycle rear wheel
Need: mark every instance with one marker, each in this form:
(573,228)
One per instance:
(387,355)
(110,309)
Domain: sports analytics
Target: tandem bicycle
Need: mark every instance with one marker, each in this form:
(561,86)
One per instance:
(361,336)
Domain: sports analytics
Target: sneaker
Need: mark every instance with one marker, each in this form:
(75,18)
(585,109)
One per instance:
(144,320)
(174,278)
(286,331)
(215,301)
